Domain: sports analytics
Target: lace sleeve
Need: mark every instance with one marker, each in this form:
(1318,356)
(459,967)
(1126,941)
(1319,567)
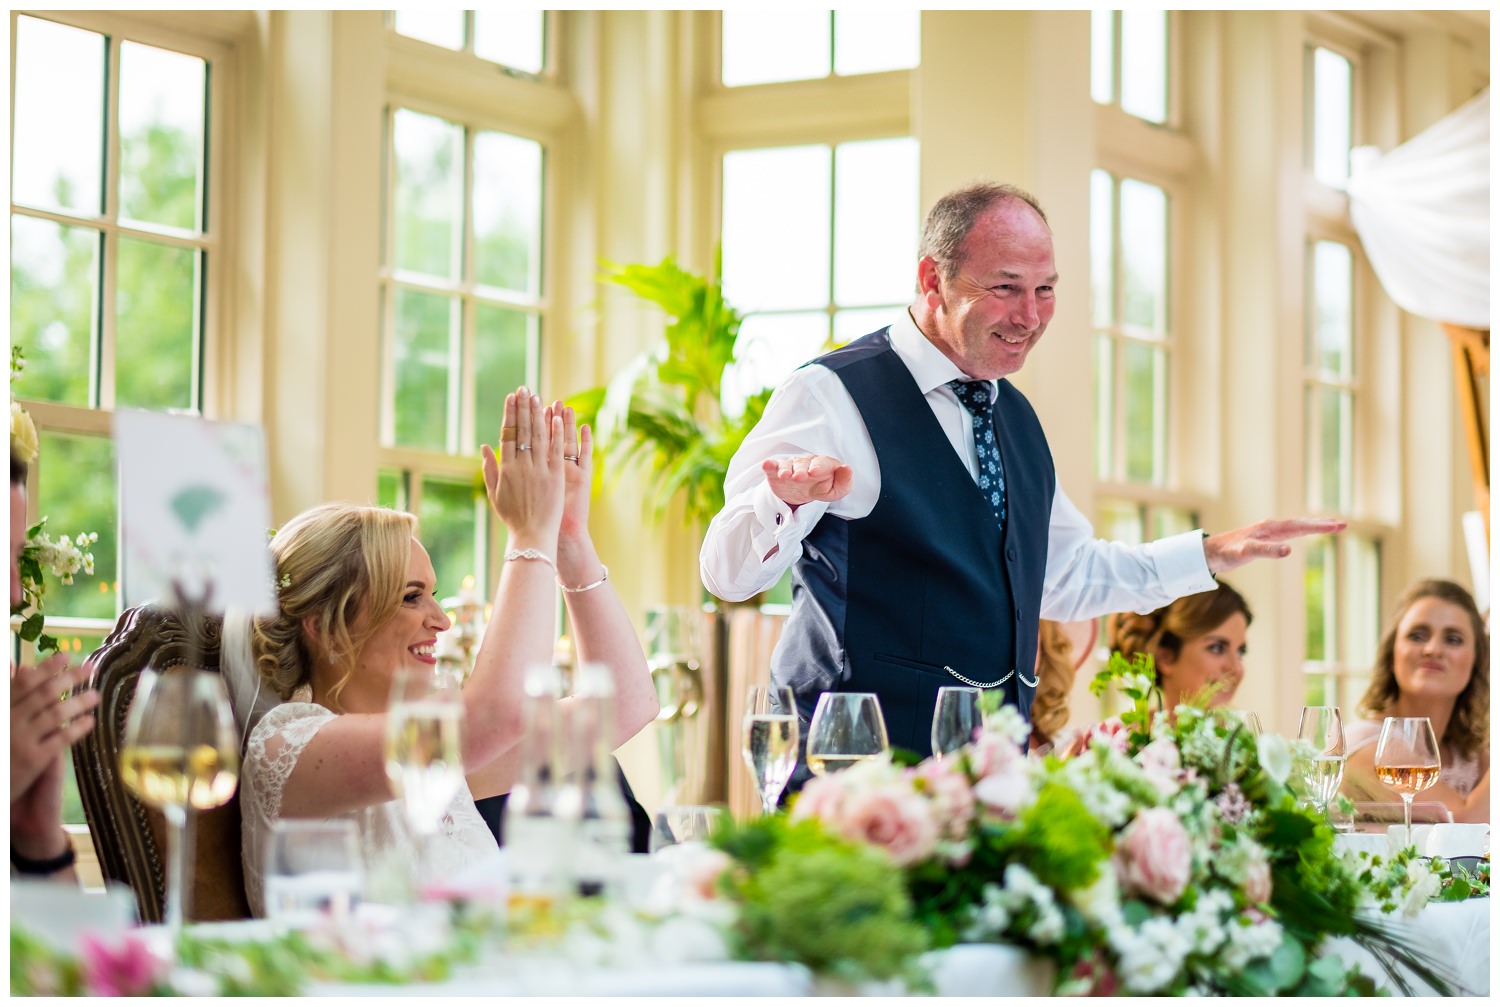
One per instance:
(273,750)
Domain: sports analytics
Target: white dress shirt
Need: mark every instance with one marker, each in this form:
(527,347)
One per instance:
(757,536)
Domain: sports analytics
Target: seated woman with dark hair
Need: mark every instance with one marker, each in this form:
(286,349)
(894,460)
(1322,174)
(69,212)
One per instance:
(356,598)
(1197,642)
(1433,662)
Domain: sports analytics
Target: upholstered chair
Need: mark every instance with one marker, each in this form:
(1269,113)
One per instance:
(130,838)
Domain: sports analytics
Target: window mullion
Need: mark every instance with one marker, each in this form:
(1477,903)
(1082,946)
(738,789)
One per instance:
(102,371)
(463,386)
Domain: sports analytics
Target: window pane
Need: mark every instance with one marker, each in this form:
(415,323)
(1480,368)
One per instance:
(1143,256)
(1318,691)
(763,46)
(875,221)
(390,489)
(1102,56)
(162,97)
(156,313)
(769,194)
(1120,521)
(1143,380)
(1333,117)
(58,131)
(76,494)
(429,194)
(850,325)
(440,27)
(54,272)
(868,41)
(1104,408)
(1334,455)
(768,349)
(1171,521)
(1361,599)
(512,38)
(1319,592)
(448,526)
(1143,64)
(426,341)
(1102,245)
(508,212)
(502,338)
(1333,306)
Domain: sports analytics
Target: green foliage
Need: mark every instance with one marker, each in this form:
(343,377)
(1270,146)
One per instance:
(1058,839)
(665,412)
(805,896)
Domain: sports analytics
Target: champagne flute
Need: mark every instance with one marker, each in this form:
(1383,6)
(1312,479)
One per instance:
(955,718)
(769,740)
(1407,759)
(846,728)
(423,755)
(179,752)
(1323,728)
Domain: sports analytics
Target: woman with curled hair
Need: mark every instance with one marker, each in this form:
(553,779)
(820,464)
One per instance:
(1433,662)
(357,602)
(1197,642)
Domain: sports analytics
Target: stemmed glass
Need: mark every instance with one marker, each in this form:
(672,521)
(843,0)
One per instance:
(1323,729)
(1407,759)
(313,871)
(423,755)
(179,752)
(955,718)
(846,728)
(769,741)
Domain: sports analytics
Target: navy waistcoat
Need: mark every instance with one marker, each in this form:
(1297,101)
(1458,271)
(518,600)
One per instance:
(926,582)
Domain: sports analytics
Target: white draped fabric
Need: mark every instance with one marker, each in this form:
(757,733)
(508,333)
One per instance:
(1423,214)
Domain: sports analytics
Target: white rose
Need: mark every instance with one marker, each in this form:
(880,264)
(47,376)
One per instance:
(1275,756)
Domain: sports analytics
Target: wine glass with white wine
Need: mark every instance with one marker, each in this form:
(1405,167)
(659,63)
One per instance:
(179,752)
(1323,729)
(423,750)
(846,728)
(1407,760)
(769,740)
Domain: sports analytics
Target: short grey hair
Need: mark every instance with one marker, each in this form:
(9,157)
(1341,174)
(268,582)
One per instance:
(952,217)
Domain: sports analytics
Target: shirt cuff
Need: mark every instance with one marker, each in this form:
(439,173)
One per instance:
(776,524)
(1181,564)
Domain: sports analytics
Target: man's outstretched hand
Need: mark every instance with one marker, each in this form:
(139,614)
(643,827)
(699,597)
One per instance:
(1263,540)
(802,479)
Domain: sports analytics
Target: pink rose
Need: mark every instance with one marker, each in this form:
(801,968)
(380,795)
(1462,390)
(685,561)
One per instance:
(1162,764)
(1004,792)
(1257,886)
(1154,856)
(952,797)
(822,798)
(895,818)
(123,969)
(991,752)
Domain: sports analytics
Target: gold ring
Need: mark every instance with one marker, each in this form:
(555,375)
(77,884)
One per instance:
(508,433)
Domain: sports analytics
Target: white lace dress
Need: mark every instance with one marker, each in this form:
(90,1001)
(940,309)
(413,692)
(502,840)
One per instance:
(388,845)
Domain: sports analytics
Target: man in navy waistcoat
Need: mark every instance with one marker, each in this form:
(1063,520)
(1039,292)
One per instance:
(911,489)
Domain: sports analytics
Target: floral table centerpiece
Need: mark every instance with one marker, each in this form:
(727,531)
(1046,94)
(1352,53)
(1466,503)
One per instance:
(1171,855)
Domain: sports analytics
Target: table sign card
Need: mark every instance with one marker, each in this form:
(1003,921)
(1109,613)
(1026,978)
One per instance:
(194,508)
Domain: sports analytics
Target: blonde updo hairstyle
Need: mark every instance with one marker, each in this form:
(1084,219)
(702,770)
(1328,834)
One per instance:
(1169,627)
(334,564)
(1056,670)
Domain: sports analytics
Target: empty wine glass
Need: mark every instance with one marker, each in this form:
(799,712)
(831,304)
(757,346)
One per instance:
(179,752)
(1323,729)
(313,871)
(1407,759)
(685,823)
(846,728)
(955,718)
(770,740)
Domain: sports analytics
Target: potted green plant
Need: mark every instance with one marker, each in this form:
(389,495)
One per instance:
(665,412)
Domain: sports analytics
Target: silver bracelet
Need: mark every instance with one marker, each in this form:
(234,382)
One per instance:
(536,554)
(587,587)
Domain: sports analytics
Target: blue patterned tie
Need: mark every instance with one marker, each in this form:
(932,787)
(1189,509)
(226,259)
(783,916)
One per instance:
(976,397)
